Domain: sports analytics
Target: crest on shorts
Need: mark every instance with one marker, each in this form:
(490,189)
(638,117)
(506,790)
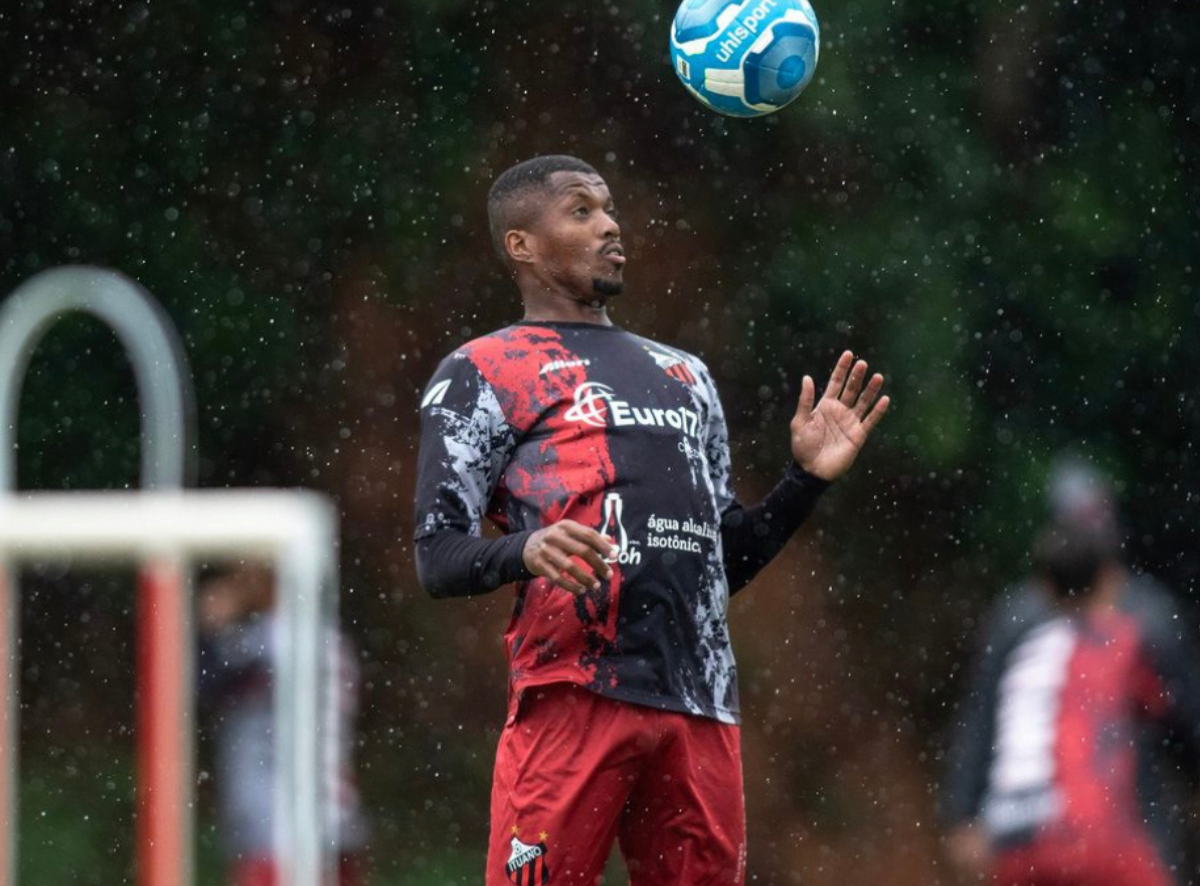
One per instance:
(526,864)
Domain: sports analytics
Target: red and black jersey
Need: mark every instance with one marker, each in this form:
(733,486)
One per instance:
(1067,717)
(1065,723)
(540,422)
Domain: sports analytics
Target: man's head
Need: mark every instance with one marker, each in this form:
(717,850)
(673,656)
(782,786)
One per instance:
(234,592)
(1071,559)
(1079,493)
(1081,538)
(553,223)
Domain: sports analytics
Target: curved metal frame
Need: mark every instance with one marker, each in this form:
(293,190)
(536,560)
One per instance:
(168,430)
(159,365)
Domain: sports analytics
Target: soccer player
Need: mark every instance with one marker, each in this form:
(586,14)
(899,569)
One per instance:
(604,459)
(238,636)
(1087,675)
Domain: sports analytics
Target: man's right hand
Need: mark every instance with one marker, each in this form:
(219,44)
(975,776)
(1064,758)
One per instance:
(570,555)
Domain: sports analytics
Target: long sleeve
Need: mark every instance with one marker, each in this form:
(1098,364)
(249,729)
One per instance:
(464,445)
(969,755)
(1169,735)
(451,563)
(1171,648)
(752,536)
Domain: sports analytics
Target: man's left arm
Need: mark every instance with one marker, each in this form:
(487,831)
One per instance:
(1169,644)
(752,536)
(826,437)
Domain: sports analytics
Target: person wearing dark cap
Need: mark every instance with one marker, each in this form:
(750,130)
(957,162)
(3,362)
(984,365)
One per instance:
(1056,767)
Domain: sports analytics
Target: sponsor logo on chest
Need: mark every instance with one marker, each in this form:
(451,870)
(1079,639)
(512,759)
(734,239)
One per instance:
(597,405)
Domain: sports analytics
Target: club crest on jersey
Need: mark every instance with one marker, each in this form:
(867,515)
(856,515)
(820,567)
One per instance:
(526,865)
(673,366)
(596,404)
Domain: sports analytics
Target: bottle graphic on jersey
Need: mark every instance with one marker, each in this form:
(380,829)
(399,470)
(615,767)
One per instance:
(613,526)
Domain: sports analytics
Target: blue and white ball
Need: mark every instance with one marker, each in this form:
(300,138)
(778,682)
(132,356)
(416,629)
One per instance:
(745,58)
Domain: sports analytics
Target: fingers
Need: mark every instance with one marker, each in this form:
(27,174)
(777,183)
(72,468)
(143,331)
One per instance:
(854,385)
(846,385)
(869,395)
(838,379)
(876,414)
(590,546)
(808,389)
(570,555)
(568,573)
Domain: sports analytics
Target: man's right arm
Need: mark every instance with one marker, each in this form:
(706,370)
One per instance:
(465,443)
(969,751)
(451,563)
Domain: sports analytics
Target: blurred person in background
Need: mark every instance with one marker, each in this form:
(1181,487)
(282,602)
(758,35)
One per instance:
(239,633)
(1077,744)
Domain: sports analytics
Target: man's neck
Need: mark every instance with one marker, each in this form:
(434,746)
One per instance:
(1109,583)
(542,307)
(1104,595)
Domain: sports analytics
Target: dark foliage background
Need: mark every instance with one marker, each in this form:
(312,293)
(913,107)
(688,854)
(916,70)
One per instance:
(995,204)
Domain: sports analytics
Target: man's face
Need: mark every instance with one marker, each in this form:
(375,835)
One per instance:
(575,238)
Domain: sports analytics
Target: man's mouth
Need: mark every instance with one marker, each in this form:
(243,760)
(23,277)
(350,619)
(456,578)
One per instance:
(614,253)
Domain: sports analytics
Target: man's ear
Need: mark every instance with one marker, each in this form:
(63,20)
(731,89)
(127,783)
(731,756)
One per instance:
(519,245)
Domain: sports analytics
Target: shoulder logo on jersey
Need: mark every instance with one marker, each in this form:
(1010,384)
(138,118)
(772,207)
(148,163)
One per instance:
(673,366)
(595,404)
(526,865)
(435,395)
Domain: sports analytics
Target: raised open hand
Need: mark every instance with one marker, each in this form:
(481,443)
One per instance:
(827,438)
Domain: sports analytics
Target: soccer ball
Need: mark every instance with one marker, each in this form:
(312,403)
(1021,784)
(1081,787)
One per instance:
(745,58)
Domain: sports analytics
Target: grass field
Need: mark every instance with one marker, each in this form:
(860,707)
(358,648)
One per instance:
(76,829)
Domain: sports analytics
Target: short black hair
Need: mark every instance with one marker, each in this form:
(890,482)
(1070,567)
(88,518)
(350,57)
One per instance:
(506,209)
(1069,557)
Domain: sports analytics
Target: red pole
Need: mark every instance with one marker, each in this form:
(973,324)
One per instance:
(163,718)
(8,727)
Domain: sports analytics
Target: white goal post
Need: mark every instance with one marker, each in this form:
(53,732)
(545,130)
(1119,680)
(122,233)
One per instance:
(166,530)
(296,532)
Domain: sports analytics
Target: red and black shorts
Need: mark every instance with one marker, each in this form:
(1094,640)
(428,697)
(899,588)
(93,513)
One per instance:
(576,771)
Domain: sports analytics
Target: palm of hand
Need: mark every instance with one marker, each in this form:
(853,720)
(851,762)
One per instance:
(827,439)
